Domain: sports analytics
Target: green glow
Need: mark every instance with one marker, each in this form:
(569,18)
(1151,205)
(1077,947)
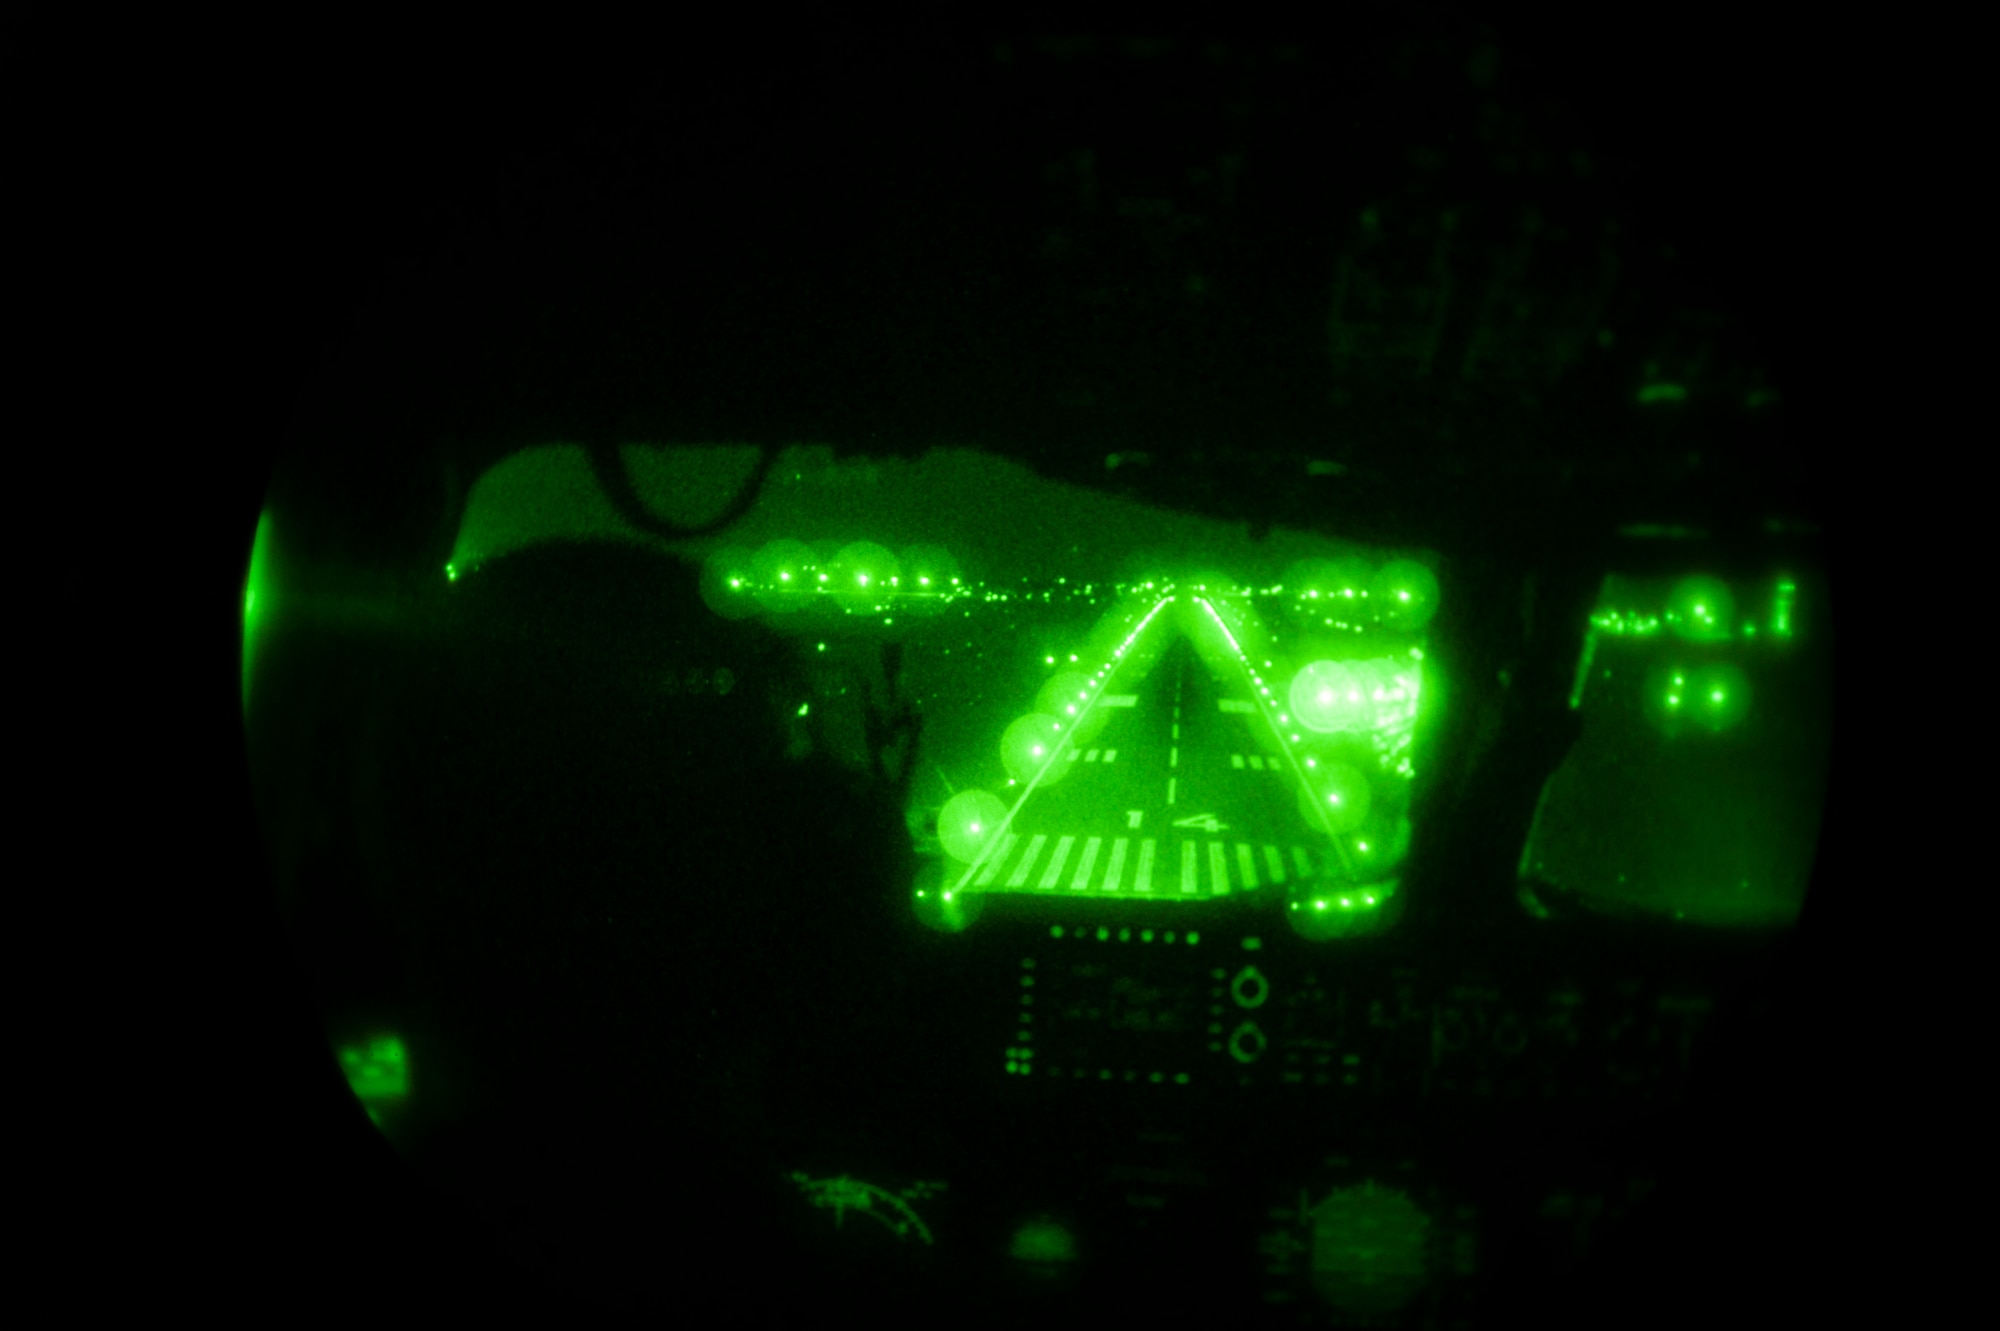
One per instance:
(802,709)
(1381,845)
(533,496)
(1333,696)
(1714,697)
(927,566)
(859,572)
(968,822)
(378,1070)
(257,599)
(778,569)
(1337,798)
(1043,1242)
(1781,609)
(1662,393)
(1721,696)
(1633,624)
(1322,918)
(1369,1249)
(1701,609)
(728,583)
(937,906)
(892,1212)
(1583,669)
(1406,594)
(1031,748)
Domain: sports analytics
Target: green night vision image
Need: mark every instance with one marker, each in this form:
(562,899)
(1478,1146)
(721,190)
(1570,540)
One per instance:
(1117,702)
(378,1072)
(1089,698)
(1696,789)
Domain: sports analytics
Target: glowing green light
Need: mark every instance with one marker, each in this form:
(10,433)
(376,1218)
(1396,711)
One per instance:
(378,1070)
(784,577)
(736,582)
(1043,1243)
(1701,609)
(802,709)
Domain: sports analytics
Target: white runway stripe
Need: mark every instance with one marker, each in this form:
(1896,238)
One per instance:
(1020,875)
(1056,861)
(1083,866)
(998,858)
(1113,870)
(1078,866)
